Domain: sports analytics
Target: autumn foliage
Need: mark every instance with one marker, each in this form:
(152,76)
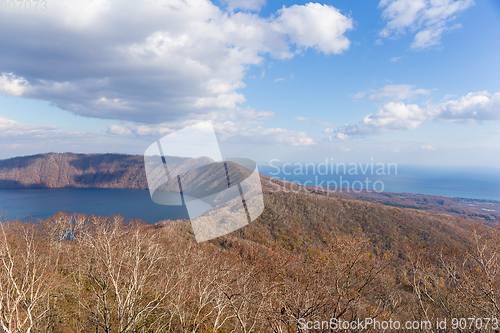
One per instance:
(307,256)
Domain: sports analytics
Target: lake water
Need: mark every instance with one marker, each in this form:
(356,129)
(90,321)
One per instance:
(42,203)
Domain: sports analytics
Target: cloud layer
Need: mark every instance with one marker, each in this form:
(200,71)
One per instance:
(244,127)
(154,62)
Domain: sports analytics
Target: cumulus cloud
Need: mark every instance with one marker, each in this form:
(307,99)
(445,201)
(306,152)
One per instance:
(393,116)
(428,18)
(118,130)
(154,62)
(10,85)
(474,107)
(315,25)
(341,136)
(427,147)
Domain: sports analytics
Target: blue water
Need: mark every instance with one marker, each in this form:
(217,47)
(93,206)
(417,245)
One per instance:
(474,183)
(42,203)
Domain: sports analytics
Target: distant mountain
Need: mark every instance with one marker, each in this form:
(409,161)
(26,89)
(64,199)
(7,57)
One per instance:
(73,170)
(55,170)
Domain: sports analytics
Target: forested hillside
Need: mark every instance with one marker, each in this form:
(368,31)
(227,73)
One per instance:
(307,258)
(311,257)
(73,170)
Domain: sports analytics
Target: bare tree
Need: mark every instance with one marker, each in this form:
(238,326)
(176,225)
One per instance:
(197,300)
(479,283)
(121,274)
(25,278)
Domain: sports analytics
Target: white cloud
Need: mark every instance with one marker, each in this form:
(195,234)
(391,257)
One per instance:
(395,59)
(430,37)
(25,139)
(472,108)
(244,133)
(397,92)
(222,101)
(155,131)
(314,25)
(280,79)
(393,92)
(247,114)
(241,126)
(154,62)
(35,138)
(118,130)
(341,136)
(429,18)
(448,97)
(361,94)
(329,126)
(10,85)
(427,147)
(391,116)
(302,119)
(11,128)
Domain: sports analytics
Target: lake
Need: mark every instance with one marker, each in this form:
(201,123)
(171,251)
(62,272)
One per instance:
(42,203)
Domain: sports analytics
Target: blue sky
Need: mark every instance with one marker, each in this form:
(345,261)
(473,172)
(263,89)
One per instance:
(396,81)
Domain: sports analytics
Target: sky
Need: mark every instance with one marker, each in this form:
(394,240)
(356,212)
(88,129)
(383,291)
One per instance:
(412,82)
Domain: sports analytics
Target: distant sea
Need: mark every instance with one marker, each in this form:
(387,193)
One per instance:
(444,181)
(461,182)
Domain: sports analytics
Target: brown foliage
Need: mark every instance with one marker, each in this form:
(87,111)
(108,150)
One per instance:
(307,256)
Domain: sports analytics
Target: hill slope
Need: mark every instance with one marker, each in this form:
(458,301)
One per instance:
(309,255)
(73,170)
